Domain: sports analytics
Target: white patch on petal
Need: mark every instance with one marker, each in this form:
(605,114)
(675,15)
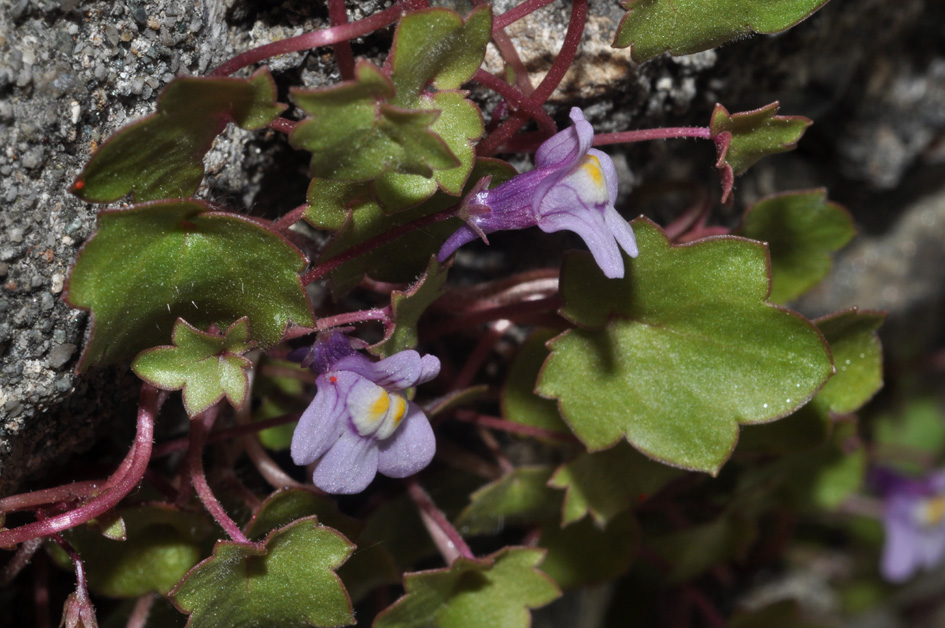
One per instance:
(589,182)
(374,411)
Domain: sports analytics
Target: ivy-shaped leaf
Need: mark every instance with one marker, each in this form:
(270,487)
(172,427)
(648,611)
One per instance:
(804,430)
(162,543)
(286,581)
(607,483)
(161,156)
(498,590)
(407,306)
(801,230)
(521,496)
(822,479)
(520,404)
(858,356)
(693,550)
(205,365)
(743,139)
(151,264)
(585,553)
(401,259)
(685,349)
(682,27)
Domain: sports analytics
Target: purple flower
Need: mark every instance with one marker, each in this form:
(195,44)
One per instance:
(360,422)
(573,187)
(914,519)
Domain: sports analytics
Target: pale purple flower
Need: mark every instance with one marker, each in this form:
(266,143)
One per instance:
(914,520)
(573,187)
(360,421)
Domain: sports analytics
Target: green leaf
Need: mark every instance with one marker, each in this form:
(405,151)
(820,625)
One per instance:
(823,478)
(584,553)
(278,396)
(436,46)
(162,544)
(354,135)
(912,438)
(801,229)
(609,482)
(858,356)
(288,580)
(151,264)
(519,497)
(407,306)
(520,404)
(290,504)
(403,258)
(687,352)
(206,365)
(745,138)
(161,156)
(802,431)
(498,590)
(693,550)
(682,27)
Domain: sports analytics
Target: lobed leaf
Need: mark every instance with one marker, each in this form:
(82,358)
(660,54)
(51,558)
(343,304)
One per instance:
(161,156)
(207,366)
(681,27)
(286,581)
(520,497)
(497,590)
(801,230)
(684,350)
(858,356)
(585,553)
(151,264)
(520,404)
(407,306)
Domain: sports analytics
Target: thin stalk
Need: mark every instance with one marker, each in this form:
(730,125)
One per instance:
(200,427)
(701,602)
(516,13)
(644,135)
(64,493)
(479,354)
(139,614)
(372,243)
(282,125)
(513,311)
(117,486)
(510,54)
(282,225)
(41,591)
(496,423)
(324,37)
(20,559)
(561,64)
(517,100)
(343,55)
(448,541)
(178,444)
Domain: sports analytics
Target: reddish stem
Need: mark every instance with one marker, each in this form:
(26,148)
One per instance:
(643,135)
(444,535)
(513,311)
(372,243)
(41,591)
(231,432)
(561,64)
(64,493)
(479,354)
(496,423)
(282,125)
(117,486)
(343,55)
(20,560)
(282,225)
(705,607)
(324,37)
(142,608)
(200,427)
(516,13)
(517,100)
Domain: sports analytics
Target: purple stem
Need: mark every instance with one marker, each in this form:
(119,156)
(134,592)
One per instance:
(282,225)
(561,64)
(444,535)
(480,352)
(41,591)
(643,135)
(20,560)
(343,55)
(181,443)
(200,427)
(512,311)
(63,493)
(117,486)
(324,37)
(282,125)
(517,13)
(139,614)
(496,423)
(517,100)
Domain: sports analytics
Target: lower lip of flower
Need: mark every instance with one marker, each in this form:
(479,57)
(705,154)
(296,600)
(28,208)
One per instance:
(381,417)
(931,512)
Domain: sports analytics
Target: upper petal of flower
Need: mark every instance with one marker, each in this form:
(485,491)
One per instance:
(399,371)
(374,411)
(410,449)
(349,466)
(323,421)
(564,148)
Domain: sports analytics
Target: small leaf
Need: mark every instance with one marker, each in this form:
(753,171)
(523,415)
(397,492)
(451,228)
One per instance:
(823,478)
(407,306)
(278,396)
(693,550)
(802,431)
(519,497)
(162,544)
(745,138)
(682,27)
(907,438)
(520,404)
(286,581)
(291,504)
(801,230)
(205,365)
(607,483)
(689,352)
(584,553)
(150,264)
(161,156)
(498,590)
(858,356)
(436,46)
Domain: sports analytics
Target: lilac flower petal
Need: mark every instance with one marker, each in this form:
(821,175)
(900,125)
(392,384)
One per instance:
(349,466)
(592,228)
(399,371)
(609,170)
(899,550)
(461,236)
(321,424)
(563,149)
(622,231)
(410,449)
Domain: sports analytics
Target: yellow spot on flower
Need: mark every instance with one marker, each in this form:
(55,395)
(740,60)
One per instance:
(379,408)
(591,166)
(933,511)
(400,408)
